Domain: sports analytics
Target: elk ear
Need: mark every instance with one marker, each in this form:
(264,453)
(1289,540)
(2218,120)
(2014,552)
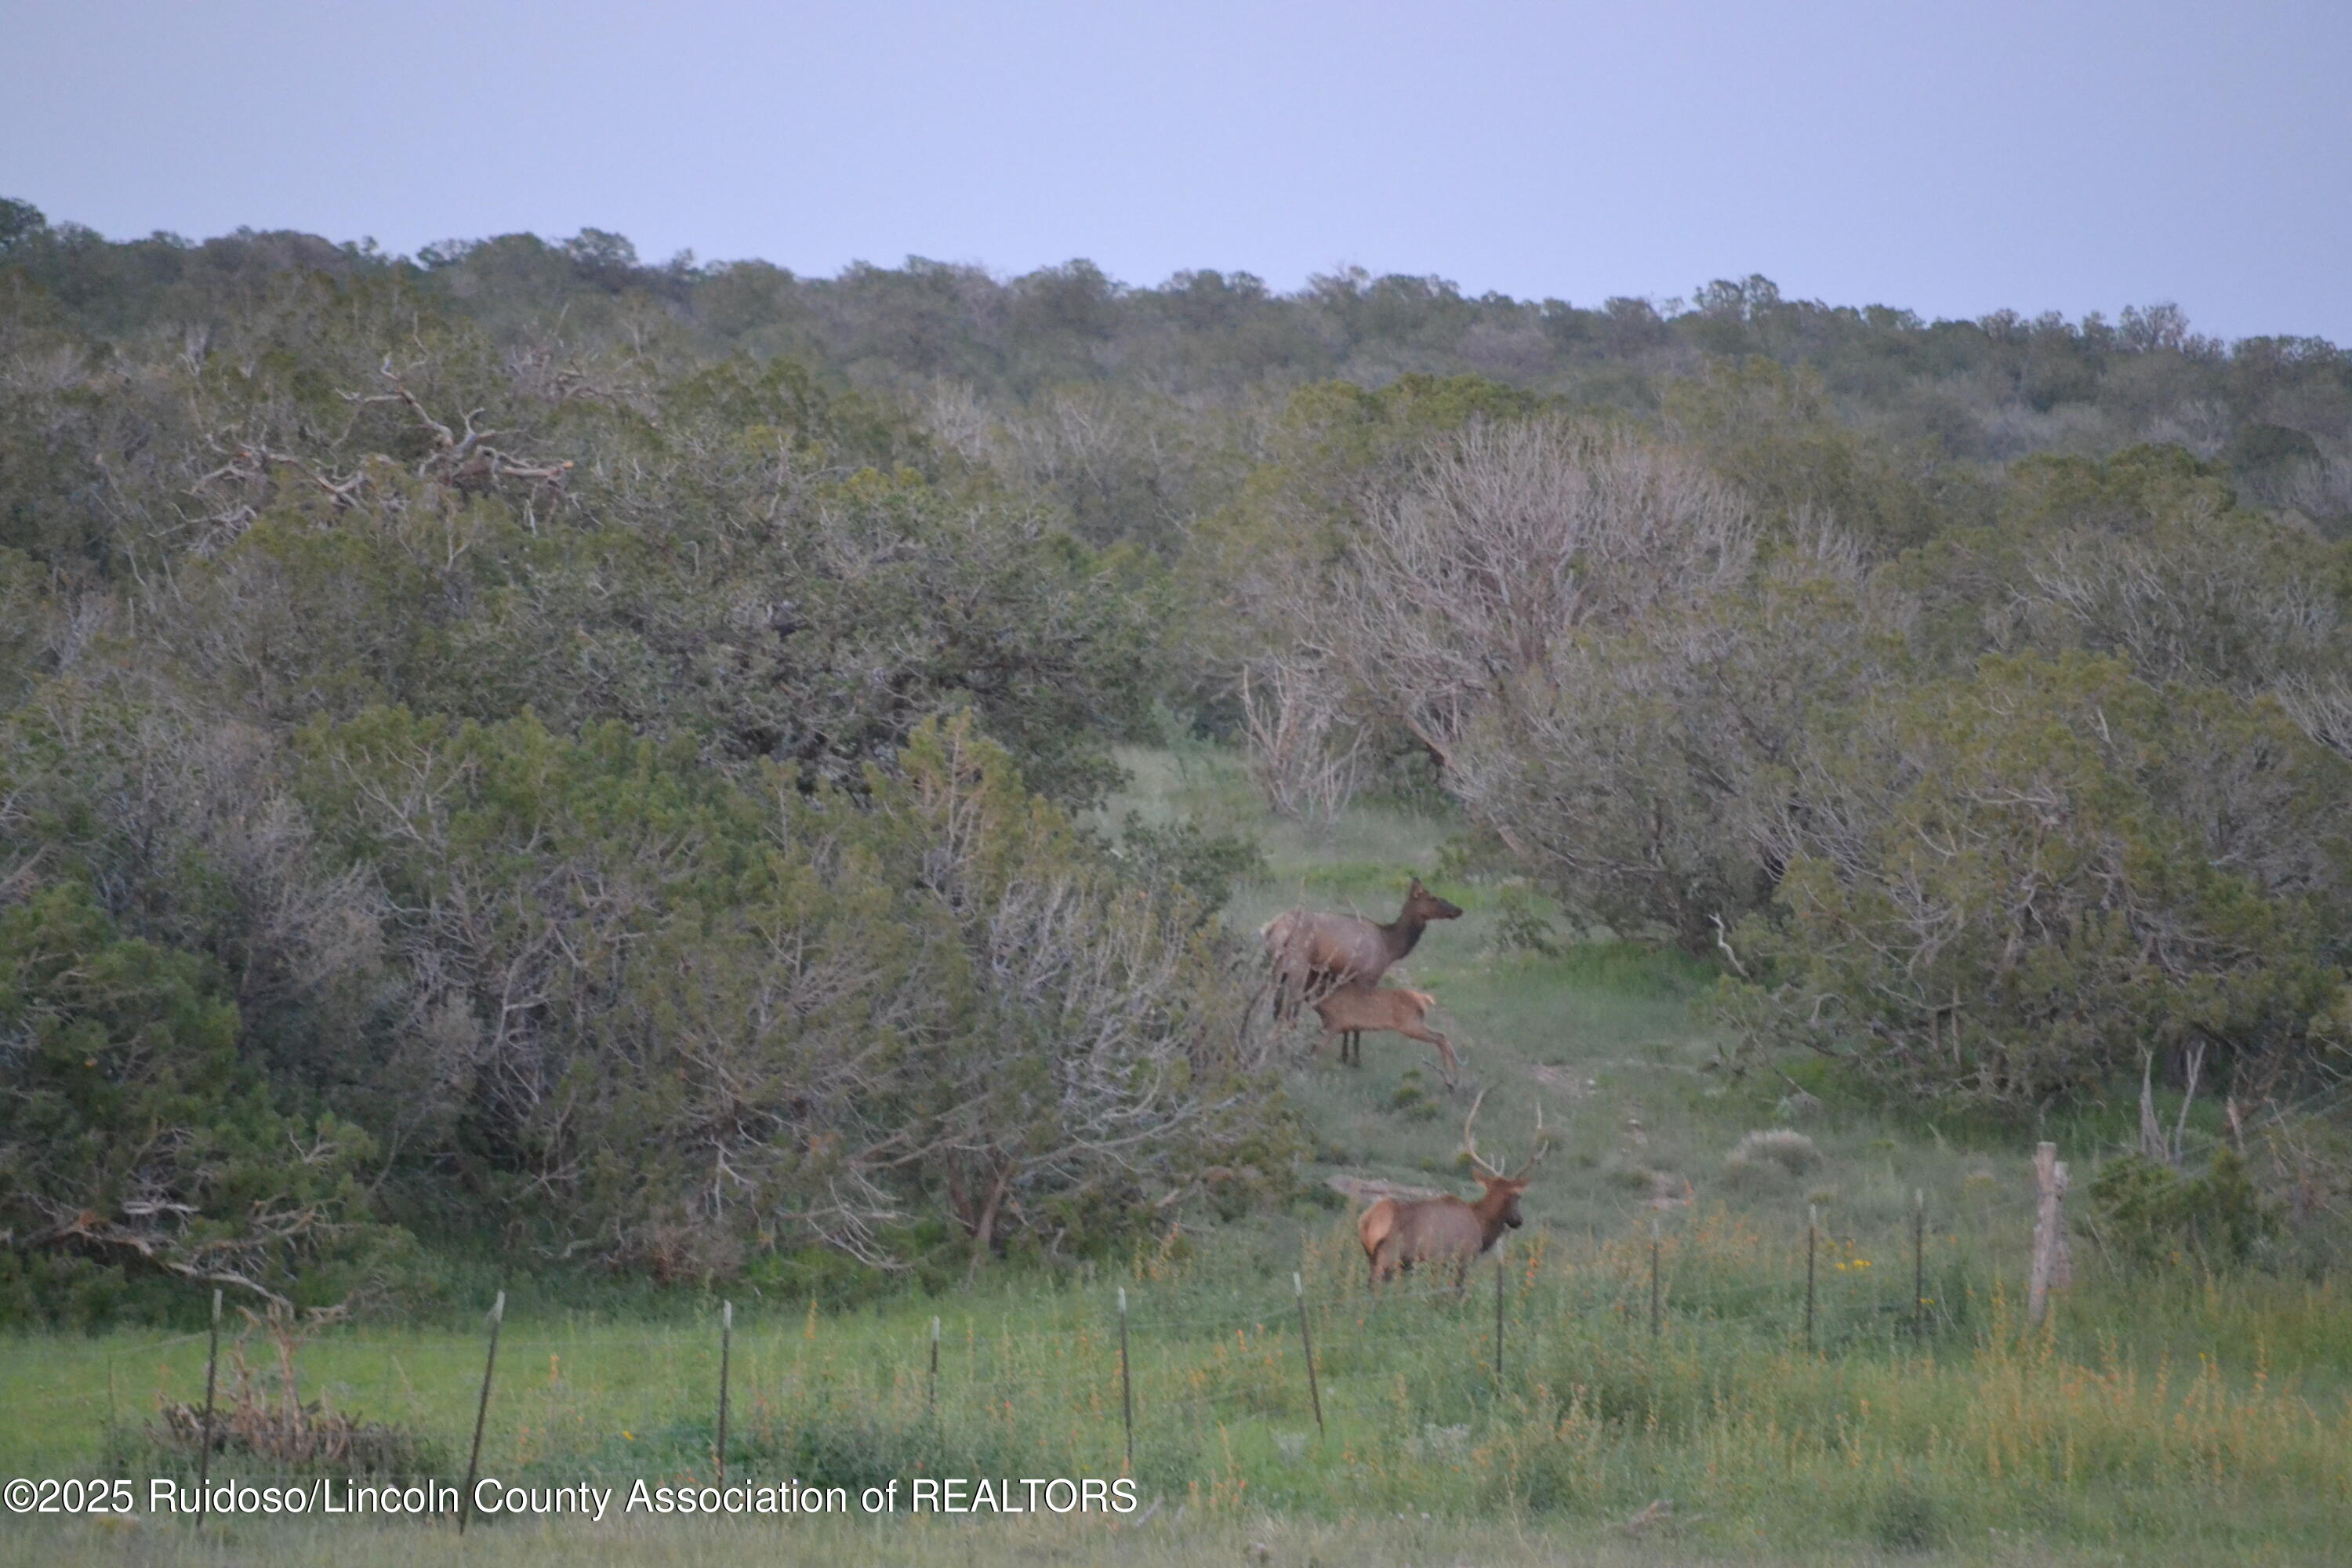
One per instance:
(1415,891)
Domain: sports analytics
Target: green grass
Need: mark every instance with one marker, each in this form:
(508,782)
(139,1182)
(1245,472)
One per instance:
(1967,1432)
(1163,1541)
(2187,1416)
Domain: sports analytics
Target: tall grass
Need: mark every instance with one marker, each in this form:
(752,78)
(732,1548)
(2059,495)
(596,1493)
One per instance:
(1903,1429)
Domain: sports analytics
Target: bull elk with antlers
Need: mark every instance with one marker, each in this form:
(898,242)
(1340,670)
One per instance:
(1396,1235)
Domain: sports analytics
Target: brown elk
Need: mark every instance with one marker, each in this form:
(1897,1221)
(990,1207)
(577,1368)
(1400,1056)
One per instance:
(1353,1011)
(1397,1235)
(1317,953)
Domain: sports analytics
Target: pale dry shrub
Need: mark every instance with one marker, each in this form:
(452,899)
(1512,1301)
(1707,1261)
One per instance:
(1774,1151)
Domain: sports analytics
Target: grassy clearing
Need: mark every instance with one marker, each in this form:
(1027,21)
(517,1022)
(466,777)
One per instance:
(1968,1432)
(2211,1416)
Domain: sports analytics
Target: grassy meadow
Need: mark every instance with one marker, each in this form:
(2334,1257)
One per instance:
(2181,1417)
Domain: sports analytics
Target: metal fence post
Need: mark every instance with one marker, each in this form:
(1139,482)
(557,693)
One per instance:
(1307,1341)
(1499,1271)
(481,1414)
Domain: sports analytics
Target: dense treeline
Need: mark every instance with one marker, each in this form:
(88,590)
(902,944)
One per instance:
(519,740)
(1138,408)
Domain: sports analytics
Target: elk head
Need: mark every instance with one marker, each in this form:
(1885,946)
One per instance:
(1422,906)
(1498,1204)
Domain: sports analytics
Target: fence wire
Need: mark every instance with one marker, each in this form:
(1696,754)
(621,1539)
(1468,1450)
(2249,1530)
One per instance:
(1197,1352)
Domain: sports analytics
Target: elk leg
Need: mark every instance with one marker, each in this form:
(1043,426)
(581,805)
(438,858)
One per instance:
(1452,1065)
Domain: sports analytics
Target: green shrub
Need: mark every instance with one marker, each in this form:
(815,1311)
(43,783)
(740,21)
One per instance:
(137,1141)
(1522,923)
(2150,1213)
(1183,855)
(933,997)
(2002,888)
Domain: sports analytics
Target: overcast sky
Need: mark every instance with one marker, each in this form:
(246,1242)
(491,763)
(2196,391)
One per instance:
(1953,158)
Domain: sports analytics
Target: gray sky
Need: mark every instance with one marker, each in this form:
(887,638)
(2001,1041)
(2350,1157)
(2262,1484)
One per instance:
(1953,158)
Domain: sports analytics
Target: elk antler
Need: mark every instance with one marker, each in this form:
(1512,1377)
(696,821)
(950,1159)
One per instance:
(1470,1142)
(1470,1139)
(1543,1143)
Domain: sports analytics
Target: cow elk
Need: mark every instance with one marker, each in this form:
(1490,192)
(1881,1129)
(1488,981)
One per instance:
(1317,953)
(1441,1230)
(1353,1011)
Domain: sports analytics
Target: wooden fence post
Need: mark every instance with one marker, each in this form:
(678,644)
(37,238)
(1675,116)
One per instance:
(211,1375)
(1812,1236)
(1918,1262)
(931,1385)
(1307,1341)
(725,1346)
(2053,1266)
(1654,1229)
(1126,1385)
(481,1412)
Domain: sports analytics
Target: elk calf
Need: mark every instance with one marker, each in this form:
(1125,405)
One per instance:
(1353,1011)
(1441,1230)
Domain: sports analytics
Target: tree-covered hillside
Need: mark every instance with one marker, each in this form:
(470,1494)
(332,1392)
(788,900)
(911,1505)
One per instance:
(522,743)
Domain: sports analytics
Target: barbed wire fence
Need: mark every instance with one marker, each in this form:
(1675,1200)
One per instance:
(1116,1373)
